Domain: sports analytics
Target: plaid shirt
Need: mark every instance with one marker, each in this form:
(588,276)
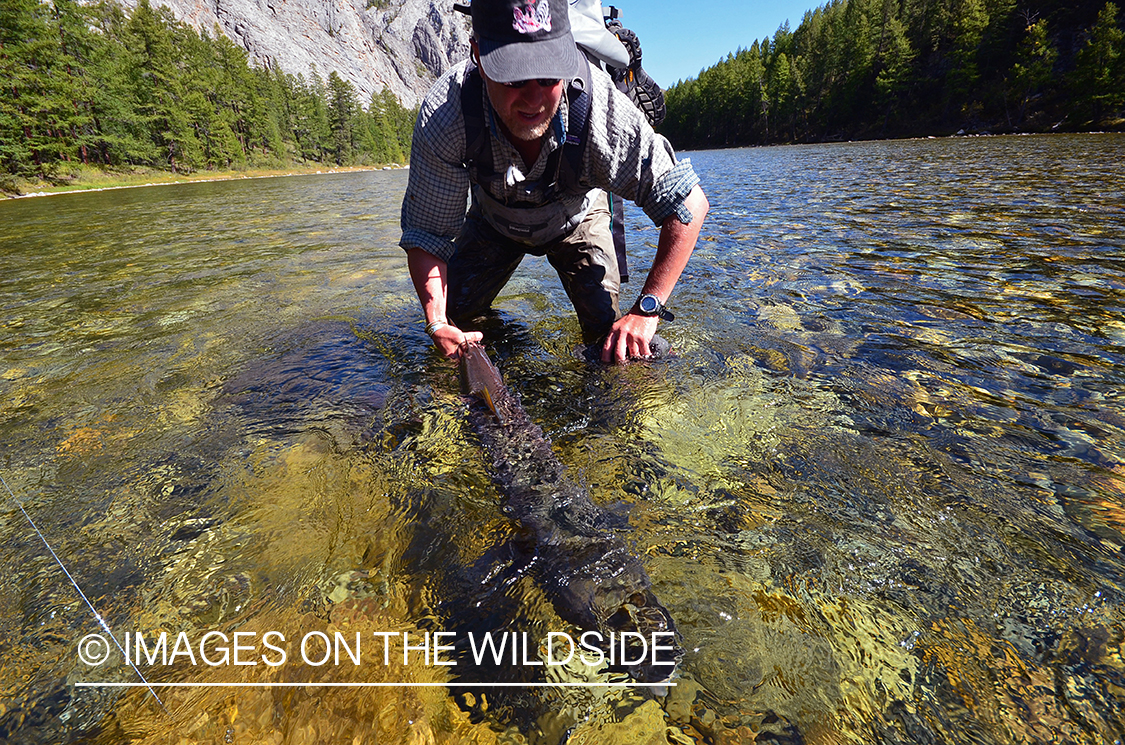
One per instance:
(622,155)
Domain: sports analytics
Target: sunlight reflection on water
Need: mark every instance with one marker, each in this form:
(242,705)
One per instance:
(880,490)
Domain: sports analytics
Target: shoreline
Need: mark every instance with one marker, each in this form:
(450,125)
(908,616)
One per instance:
(915,138)
(161,178)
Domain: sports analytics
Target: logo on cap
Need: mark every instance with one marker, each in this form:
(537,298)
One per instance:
(532,18)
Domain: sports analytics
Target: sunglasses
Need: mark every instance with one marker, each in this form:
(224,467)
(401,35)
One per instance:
(541,82)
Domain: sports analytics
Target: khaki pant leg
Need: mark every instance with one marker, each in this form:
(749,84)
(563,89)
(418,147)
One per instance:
(586,261)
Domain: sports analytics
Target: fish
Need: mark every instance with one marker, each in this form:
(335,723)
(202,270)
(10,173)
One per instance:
(580,561)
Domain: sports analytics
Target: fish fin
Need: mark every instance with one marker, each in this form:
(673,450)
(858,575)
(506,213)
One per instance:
(491,405)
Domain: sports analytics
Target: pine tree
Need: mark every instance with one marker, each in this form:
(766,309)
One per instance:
(379,137)
(968,29)
(275,93)
(158,83)
(342,110)
(1034,64)
(857,58)
(311,123)
(33,112)
(1100,75)
(119,133)
(894,60)
(749,81)
(77,46)
(781,90)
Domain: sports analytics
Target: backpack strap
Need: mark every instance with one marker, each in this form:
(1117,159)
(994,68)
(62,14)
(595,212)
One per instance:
(577,132)
(477,151)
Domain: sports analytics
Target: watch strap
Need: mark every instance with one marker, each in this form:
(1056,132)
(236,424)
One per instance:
(660,311)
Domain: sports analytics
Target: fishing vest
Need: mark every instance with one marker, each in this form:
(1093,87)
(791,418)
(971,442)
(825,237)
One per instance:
(547,209)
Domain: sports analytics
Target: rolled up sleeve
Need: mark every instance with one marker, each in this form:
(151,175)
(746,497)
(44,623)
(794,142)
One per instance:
(668,194)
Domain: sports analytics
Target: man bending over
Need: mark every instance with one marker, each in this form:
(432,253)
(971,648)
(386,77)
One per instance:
(537,136)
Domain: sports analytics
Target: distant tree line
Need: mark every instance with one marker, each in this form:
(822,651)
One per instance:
(92,84)
(880,68)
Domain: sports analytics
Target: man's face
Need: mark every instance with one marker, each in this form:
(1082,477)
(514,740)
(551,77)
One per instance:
(525,111)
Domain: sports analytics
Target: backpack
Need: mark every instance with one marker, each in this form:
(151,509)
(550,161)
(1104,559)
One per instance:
(606,42)
(618,49)
(632,80)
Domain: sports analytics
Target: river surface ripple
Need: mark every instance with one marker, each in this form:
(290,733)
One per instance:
(881,489)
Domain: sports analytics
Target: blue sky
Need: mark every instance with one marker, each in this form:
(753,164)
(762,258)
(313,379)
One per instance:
(679,38)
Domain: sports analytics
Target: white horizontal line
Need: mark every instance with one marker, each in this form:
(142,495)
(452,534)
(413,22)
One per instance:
(373,685)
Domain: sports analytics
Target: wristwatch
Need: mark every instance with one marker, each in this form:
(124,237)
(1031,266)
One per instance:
(650,305)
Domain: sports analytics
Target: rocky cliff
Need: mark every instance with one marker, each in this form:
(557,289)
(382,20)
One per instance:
(403,45)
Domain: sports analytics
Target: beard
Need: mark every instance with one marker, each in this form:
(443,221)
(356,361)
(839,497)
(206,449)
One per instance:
(525,132)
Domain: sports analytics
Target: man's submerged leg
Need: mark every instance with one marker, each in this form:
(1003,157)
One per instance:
(481,266)
(586,261)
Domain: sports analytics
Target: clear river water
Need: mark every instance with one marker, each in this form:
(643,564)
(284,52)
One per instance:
(881,487)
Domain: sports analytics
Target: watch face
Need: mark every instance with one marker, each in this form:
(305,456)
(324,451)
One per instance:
(648,304)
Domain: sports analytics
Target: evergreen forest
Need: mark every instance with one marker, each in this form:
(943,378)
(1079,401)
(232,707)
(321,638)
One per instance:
(92,84)
(868,69)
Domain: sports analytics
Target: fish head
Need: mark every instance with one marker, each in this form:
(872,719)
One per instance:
(480,378)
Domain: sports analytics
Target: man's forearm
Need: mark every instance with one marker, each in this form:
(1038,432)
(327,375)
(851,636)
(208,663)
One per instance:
(631,334)
(674,247)
(429,276)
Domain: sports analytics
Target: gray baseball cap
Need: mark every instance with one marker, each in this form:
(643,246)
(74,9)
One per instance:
(525,39)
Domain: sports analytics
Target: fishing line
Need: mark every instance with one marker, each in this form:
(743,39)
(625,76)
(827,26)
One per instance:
(83,595)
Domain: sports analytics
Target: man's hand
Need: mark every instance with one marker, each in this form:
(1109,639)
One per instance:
(448,338)
(428,274)
(629,338)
